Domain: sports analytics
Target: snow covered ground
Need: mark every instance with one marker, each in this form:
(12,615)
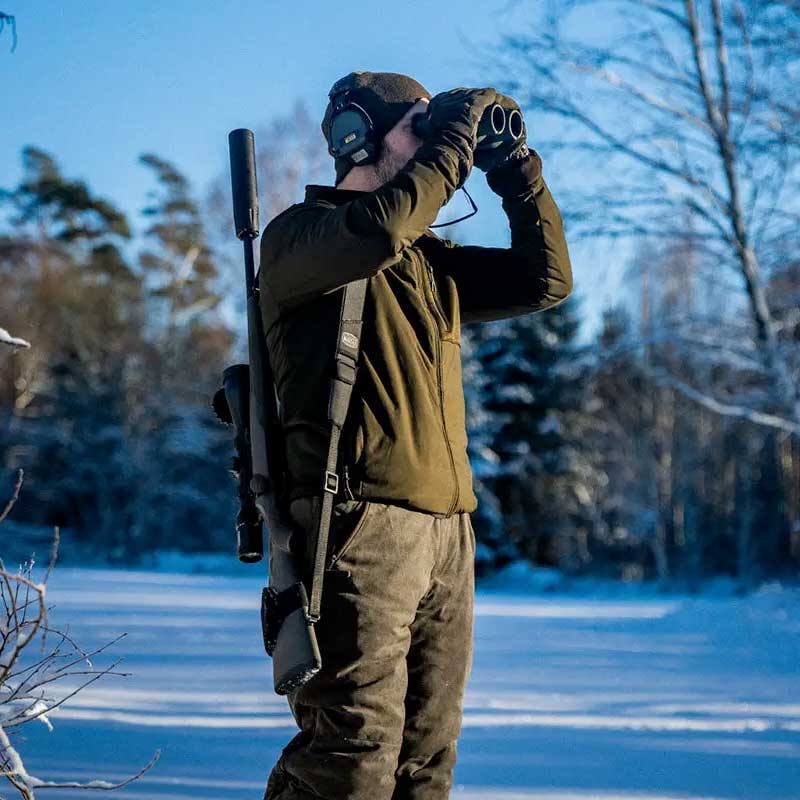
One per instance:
(597,691)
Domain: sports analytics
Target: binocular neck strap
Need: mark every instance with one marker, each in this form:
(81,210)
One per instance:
(460,219)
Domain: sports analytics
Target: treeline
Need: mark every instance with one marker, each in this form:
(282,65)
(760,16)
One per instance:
(108,411)
(602,458)
(674,451)
(593,456)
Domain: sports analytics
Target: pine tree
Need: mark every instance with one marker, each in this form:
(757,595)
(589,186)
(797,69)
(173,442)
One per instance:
(180,266)
(494,549)
(181,445)
(532,376)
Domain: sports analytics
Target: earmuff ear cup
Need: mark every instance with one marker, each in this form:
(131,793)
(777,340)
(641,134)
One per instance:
(383,97)
(352,136)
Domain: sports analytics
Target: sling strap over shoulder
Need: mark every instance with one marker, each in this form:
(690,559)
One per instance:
(348,343)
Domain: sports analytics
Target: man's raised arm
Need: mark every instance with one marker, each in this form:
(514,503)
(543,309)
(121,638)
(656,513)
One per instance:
(310,249)
(534,273)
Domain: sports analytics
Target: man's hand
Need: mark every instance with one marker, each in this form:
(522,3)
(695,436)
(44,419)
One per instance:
(283,532)
(453,116)
(459,108)
(507,149)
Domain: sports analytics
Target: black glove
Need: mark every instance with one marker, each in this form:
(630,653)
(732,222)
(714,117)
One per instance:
(505,149)
(459,108)
(453,117)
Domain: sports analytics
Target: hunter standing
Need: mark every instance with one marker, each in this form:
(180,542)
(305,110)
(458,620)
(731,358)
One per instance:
(381,720)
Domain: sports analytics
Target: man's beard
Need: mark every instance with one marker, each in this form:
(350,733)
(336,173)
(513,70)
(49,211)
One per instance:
(388,165)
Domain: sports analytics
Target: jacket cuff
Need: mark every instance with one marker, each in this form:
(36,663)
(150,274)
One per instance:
(516,178)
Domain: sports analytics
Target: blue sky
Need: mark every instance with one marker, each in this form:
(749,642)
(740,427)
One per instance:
(98,83)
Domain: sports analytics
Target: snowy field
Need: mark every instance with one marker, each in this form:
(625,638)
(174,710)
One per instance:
(594,692)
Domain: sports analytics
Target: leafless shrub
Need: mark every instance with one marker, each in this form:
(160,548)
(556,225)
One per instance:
(29,678)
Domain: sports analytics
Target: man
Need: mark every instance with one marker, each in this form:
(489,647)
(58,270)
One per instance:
(381,719)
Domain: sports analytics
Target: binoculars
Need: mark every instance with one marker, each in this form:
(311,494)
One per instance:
(497,126)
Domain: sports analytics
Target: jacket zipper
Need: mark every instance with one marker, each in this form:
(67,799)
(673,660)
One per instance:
(438,307)
(432,285)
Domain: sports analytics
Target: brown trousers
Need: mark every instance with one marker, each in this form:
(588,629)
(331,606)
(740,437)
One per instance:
(381,719)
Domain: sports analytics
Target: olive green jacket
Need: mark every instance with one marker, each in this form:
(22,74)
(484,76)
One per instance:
(404,441)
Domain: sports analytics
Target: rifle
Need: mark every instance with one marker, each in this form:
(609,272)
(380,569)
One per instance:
(248,402)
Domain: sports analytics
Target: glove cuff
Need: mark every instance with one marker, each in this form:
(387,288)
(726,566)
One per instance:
(516,155)
(518,174)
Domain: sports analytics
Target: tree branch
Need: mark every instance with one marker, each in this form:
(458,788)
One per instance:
(13,341)
(663,378)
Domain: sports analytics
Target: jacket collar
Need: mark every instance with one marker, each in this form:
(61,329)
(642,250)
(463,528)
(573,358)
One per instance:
(315,191)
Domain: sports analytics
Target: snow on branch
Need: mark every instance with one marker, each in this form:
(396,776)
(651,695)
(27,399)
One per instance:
(7,338)
(663,378)
(27,684)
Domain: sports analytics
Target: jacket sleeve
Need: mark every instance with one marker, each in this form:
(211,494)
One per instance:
(534,273)
(312,249)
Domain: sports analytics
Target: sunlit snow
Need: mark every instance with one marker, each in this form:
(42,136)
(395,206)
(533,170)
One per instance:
(599,692)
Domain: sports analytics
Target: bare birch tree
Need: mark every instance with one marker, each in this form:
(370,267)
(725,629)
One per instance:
(689,105)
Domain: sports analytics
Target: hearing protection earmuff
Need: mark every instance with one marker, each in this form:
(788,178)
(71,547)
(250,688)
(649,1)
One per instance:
(352,134)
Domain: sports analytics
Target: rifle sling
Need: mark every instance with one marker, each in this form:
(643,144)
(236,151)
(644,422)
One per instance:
(348,342)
